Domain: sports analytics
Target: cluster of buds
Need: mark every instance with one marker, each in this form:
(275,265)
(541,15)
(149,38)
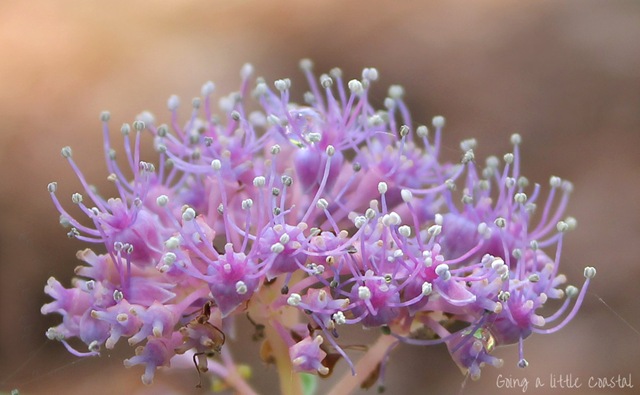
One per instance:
(305,219)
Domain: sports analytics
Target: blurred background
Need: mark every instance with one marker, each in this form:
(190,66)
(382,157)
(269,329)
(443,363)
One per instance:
(563,74)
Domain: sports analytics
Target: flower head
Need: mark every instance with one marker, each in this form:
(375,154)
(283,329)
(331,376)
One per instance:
(319,215)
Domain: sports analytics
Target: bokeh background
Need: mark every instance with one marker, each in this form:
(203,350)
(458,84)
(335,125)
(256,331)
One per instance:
(563,74)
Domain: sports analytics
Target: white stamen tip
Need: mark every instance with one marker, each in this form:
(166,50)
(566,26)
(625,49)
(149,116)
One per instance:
(396,92)
(356,87)
(216,164)
(241,288)
(339,318)
(277,248)
(589,272)
(322,204)
(407,195)
(364,293)
(438,121)
(427,288)
(259,181)
(382,187)
(188,214)
(294,299)
(162,200)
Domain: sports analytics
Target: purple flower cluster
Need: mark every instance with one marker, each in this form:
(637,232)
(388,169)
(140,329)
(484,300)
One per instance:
(307,218)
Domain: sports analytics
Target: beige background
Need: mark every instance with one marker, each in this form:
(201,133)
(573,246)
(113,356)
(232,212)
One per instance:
(564,74)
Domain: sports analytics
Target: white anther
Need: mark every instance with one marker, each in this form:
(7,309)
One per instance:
(438,121)
(466,199)
(520,197)
(287,180)
(405,230)
(510,182)
(364,292)
(396,92)
(589,272)
(118,296)
(326,81)
(173,102)
(422,131)
(382,187)
(434,230)
(314,137)
(469,144)
(246,71)
(442,270)
(90,285)
(76,198)
(359,221)
(370,74)
(275,149)
(259,181)
(523,363)
(571,223)
(451,185)
(500,222)
(169,258)
(555,182)
(330,150)
(503,296)
(105,116)
(407,195)
(138,125)
(247,204)
(322,204)
(517,253)
(162,200)
(389,103)
(306,64)
(516,139)
(294,300)
(216,164)
(484,230)
(66,152)
(207,88)
(188,214)
(534,278)
(277,248)
(284,239)
(241,287)
(523,182)
(562,226)
(261,89)
(567,186)
(280,85)
(355,87)
(508,158)
(427,288)
(172,243)
(404,130)
(94,346)
(375,120)
(497,263)
(571,291)
(339,318)
(533,244)
(370,213)
(52,187)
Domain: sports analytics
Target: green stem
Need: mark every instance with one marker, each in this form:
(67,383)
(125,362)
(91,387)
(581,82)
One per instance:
(365,366)
(290,382)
